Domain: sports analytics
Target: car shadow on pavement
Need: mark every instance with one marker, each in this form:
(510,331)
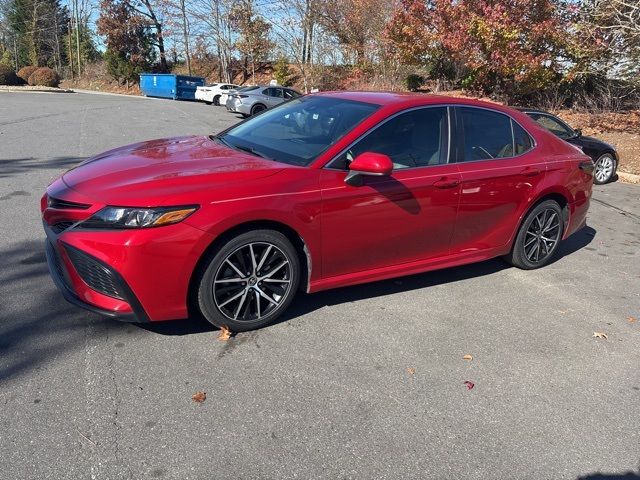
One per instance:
(304,304)
(14,166)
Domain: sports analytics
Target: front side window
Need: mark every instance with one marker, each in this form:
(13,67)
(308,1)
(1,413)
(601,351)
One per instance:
(488,135)
(418,138)
(297,131)
(553,124)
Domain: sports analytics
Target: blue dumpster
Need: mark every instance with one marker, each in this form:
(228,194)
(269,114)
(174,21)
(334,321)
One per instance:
(168,85)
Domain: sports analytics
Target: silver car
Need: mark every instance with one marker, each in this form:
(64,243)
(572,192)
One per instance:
(251,100)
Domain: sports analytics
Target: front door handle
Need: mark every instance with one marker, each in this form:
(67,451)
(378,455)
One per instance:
(447,183)
(530,172)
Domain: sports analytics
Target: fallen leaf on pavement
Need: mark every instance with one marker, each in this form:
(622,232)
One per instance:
(225,334)
(468,357)
(632,319)
(199,397)
(600,335)
(411,370)
(469,384)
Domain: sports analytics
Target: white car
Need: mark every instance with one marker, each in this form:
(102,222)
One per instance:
(212,93)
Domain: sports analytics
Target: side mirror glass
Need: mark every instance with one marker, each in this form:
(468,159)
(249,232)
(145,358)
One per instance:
(368,163)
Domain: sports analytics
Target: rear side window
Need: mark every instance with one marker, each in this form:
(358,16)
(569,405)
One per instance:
(489,135)
(521,139)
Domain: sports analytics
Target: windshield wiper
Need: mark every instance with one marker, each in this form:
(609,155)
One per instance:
(251,150)
(243,148)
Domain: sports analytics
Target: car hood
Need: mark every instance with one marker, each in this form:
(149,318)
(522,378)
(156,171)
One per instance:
(161,172)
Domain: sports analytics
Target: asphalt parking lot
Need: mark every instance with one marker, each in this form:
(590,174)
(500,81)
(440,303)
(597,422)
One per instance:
(362,382)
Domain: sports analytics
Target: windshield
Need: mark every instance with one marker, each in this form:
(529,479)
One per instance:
(299,130)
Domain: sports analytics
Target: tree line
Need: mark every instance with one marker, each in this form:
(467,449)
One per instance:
(510,48)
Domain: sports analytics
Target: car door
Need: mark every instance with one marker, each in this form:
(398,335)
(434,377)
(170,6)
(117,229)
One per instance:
(404,217)
(500,172)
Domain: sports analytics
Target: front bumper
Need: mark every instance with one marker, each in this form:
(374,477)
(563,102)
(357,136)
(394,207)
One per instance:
(134,275)
(62,278)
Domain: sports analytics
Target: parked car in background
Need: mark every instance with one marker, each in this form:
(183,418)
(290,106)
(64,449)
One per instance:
(224,99)
(603,155)
(251,101)
(324,191)
(211,94)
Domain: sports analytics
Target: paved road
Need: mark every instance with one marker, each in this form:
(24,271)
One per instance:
(326,393)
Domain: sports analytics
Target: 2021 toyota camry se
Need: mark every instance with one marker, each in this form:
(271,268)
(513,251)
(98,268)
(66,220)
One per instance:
(324,191)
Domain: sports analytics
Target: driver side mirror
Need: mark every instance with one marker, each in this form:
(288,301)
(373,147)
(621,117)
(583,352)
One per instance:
(368,163)
(578,132)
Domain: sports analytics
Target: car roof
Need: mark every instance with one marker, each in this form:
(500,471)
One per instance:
(533,110)
(408,99)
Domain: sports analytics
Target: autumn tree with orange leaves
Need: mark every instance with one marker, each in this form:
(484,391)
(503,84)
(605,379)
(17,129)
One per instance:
(514,46)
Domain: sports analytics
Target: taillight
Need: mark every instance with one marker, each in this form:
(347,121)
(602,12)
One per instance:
(587,167)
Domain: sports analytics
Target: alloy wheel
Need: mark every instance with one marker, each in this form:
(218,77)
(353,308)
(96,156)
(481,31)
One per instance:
(542,236)
(252,281)
(604,168)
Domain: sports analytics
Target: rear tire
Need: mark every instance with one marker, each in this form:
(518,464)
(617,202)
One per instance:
(257,109)
(538,237)
(216,100)
(250,281)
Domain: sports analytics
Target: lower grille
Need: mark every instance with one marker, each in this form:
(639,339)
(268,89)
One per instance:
(57,262)
(95,274)
(60,227)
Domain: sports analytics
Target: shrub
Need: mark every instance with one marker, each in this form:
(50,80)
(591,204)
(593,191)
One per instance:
(281,72)
(44,77)
(25,72)
(8,76)
(413,82)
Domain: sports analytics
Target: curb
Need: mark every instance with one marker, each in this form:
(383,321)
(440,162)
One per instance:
(35,90)
(628,177)
(98,92)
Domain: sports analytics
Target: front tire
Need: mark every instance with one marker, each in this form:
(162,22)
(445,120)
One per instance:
(250,281)
(216,100)
(538,236)
(605,168)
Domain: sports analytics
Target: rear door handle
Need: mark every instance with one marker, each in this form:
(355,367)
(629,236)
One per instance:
(447,183)
(530,172)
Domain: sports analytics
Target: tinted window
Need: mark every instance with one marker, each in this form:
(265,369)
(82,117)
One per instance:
(298,131)
(418,138)
(521,139)
(290,94)
(490,135)
(273,92)
(552,124)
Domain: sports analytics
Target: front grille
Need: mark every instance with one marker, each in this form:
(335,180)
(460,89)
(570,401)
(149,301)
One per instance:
(95,274)
(60,227)
(65,204)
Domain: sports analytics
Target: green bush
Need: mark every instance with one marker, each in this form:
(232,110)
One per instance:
(281,72)
(8,76)
(413,82)
(25,72)
(44,77)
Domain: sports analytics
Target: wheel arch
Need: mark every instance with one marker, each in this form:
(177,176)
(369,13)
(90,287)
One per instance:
(258,104)
(296,239)
(557,196)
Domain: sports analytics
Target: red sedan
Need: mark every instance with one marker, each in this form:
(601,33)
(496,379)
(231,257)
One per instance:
(324,191)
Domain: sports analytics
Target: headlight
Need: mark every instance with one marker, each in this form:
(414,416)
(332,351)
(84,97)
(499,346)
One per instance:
(127,217)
